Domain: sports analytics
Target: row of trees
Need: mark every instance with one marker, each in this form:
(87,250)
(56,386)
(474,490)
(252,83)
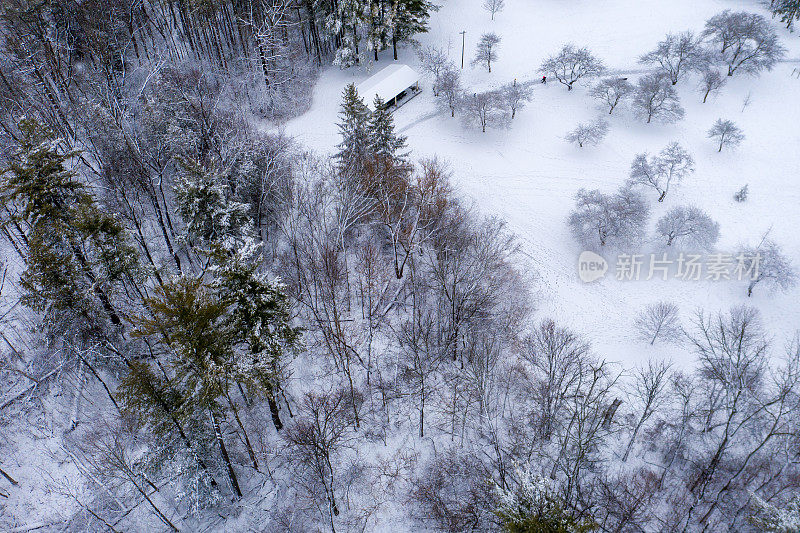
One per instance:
(742,41)
(491,108)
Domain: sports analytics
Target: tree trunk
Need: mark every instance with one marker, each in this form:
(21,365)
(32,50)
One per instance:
(76,406)
(103,383)
(224,453)
(100,293)
(264,66)
(422,413)
(9,478)
(273,409)
(160,514)
(247,444)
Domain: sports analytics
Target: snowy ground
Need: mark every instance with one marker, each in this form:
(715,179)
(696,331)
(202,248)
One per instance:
(528,174)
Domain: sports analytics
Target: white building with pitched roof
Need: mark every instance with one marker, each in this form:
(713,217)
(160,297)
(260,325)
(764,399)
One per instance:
(395,84)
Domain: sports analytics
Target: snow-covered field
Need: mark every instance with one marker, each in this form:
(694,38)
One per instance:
(528,174)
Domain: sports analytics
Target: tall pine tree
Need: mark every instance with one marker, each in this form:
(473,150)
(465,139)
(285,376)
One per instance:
(409,17)
(260,313)
(354,128)
(384,142)
(348,23)
(77,252)
(214,220)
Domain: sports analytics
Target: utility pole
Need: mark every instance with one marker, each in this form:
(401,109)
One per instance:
(462,48)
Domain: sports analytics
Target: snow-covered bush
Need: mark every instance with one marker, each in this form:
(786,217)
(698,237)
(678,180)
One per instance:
(609,219)
(571,64)
(741,194)
(588,132)
(689,228)
(726,133)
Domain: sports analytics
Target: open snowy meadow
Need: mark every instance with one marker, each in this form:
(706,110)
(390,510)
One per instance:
(528,174)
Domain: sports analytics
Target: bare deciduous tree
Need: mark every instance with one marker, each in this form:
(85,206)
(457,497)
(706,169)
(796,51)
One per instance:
(571,64)
(484,109)
(494,6)
(647,389)
(711,82)
(448,89)
(677,55)
(515,95)
(766,264)
(421,357)
(745,41)
(688,227)
(588,132)
(316,439)
(450,493)
(616,219)
(656,98)
(726,133)
(670,166)
(660,320)
(554,354)
(612,91)
(487,50)
(433,61)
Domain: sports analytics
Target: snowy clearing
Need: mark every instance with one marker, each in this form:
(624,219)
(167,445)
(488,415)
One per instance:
(528,174)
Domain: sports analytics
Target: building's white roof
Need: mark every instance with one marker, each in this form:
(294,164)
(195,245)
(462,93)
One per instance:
(387,83)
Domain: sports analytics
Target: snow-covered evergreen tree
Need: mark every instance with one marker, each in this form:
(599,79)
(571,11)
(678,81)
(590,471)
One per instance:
(775,519)
(532,506)
(77,252)
(213,219)
(409,17)
(259,313)
(787,10)
(347,25)
(384,142)
(354,130)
